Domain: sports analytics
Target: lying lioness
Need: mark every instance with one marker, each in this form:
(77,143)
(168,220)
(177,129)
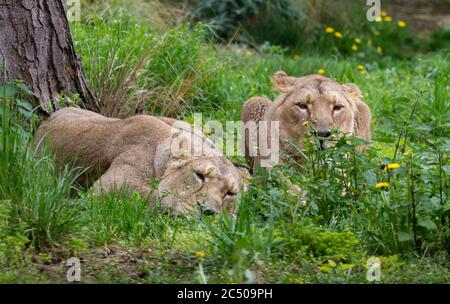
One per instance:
(319,100)
(135,150)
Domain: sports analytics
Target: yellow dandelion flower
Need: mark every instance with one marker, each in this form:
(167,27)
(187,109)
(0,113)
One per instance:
(362,69)
(392,166)
(379,50)
(378,19)
(296,56)
(401,23)
(382,186)
(329,30)
(358,40)
(377,33)
(354,48)
(407,154)
(338,35)
(387,18)
(200,254)
(321,71)
(383,14)
(369,42)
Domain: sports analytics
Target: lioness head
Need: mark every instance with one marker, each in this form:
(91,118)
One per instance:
(322,102)
(206,183)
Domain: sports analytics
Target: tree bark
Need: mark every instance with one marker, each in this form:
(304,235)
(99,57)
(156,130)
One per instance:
(36,46)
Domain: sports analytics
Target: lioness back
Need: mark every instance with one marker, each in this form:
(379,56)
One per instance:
(254,109)
(92,141)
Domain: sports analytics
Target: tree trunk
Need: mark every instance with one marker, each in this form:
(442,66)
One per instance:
(36,46)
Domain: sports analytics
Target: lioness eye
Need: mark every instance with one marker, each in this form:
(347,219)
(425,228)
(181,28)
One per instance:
(200,176)
(337,107)
(302,106)
(230,193)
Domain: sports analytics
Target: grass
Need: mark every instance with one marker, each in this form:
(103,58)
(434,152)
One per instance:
(33,191)
(133,68)
(325,235)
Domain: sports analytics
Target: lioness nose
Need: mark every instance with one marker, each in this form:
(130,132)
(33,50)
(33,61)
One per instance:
(323,133)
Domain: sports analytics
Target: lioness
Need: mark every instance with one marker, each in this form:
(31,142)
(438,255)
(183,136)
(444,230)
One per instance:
(317,99)
(135,150)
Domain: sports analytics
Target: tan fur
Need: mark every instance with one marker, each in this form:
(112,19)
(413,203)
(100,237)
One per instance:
(320,94)
(135,150)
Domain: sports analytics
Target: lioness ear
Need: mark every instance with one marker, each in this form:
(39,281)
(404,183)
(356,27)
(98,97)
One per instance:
(352,91)
(282,82)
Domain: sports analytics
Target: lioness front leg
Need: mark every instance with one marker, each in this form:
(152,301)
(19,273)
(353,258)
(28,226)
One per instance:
(125,172)
(119,177)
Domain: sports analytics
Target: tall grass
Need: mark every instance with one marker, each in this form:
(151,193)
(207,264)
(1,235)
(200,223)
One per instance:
(240,242)
(118,215)
(36,193)
(134,69)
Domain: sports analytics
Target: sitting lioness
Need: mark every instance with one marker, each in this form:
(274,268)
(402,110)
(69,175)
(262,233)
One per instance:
(131,152)
(323,102)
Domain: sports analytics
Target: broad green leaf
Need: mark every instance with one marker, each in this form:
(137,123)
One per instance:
(371,177)
(325,268)
(24,88)
(7,90)
(405,236)
(331,263)
(428,224)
